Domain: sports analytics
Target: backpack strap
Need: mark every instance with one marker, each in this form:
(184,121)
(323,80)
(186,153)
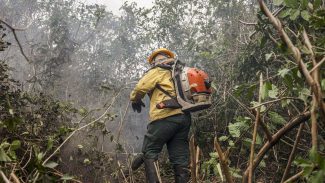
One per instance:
(164,91)
(170,103)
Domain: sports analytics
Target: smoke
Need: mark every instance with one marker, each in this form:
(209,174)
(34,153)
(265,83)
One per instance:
(80,54)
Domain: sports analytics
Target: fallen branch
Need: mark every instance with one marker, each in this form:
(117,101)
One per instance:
(82,127)
(295,177)
(275,138)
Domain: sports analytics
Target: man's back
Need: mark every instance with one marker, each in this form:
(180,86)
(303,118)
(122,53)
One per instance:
(148,83)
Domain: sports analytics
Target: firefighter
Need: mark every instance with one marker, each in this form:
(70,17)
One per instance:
(168,126)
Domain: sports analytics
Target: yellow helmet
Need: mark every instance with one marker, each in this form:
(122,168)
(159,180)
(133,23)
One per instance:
(160,50)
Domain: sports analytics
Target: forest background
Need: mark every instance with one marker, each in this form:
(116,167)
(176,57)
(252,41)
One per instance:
(66,70)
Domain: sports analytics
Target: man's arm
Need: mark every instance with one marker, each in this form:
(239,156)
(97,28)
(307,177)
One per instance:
(146,84)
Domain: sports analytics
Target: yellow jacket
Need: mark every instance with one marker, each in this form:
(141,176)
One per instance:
(147,85)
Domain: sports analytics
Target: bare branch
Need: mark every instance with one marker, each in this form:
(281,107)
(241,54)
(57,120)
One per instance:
(13,29)
(193,157)
(273,101)
(5,179)
(316,100)
(296,54)
(247,23)
(292,154)
(82,127)
(258,112)
(317,65)
(223,161)
(295,177)
(275,138)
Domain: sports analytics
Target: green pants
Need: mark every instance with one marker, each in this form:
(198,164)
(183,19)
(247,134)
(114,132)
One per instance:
(172,131)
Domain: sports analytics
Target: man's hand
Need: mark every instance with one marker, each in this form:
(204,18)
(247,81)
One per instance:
(136,105)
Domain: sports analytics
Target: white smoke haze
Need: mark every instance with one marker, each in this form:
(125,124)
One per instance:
(80,53)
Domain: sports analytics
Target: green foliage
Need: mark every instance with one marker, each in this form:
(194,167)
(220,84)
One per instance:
(212,166)
(313,167)
(3,43)
(29,125)
(241,125)
(276,118)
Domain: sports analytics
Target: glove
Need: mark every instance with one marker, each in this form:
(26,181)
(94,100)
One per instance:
(136,106)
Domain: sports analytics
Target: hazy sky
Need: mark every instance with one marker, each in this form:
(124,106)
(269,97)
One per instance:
(114,5)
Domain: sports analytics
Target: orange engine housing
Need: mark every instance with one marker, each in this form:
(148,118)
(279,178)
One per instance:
(197,80)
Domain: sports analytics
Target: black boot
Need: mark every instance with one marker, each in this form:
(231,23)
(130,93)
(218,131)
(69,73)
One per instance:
(181,174)
(137,162)
(151,172)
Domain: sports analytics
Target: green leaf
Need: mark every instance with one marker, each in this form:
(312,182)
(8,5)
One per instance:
(304,94)
(87,161)
(262,164)
(307,170)
(247,142)
(214,86)
(323,84)
(15,145)
(268,56)
(40,156)
(234,129)
(314,156)
(12,155)
(285,102)
(258,139)
(51,164)
(285,13)
(274,92)
(223,138)
(276,118)
(3,156)
(4,145)
(295,15)
(231,143)
(267,86)
(240,125)
(318,178)
(298,74)
(67,177)
(11,111)
(291,3)
(305,15)
(49,143)
(80,146)
(317,4)
(219,171)
(283,72)
(300,162)
(304,4)
(277,2)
